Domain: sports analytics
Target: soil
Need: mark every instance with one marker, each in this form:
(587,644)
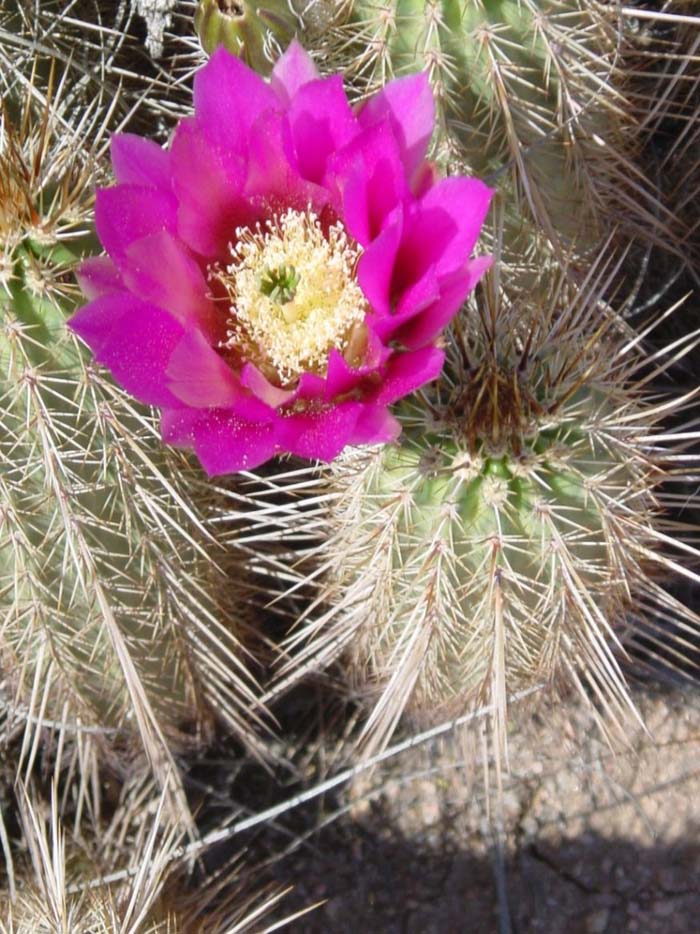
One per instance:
(593,841)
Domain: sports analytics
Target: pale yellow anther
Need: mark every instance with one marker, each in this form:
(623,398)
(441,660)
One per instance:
(293,333)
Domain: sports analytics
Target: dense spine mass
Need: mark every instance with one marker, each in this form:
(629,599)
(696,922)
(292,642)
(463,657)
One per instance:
(118,873)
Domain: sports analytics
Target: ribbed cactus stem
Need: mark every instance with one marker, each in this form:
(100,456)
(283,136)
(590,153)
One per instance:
(504,541)
(529,93)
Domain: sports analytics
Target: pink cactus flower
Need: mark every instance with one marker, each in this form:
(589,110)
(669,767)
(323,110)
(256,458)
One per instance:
(282,272)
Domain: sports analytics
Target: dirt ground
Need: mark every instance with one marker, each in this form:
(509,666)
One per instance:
(594,842)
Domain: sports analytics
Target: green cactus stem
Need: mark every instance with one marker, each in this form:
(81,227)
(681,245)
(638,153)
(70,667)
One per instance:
(529,94)
(510,535)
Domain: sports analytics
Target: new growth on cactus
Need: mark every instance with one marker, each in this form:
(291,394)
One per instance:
(253,31)
(510,535)
(259,32)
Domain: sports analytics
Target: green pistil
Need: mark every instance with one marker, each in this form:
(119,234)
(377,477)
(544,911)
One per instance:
(280,284)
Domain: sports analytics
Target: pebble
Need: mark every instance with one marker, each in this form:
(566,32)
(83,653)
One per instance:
(597,921)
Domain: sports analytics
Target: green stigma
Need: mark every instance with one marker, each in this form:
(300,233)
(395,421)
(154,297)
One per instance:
(280,284)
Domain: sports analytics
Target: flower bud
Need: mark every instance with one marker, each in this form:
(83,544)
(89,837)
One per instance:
(245,29)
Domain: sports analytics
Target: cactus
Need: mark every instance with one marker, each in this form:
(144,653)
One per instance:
(114,614)
(501,543)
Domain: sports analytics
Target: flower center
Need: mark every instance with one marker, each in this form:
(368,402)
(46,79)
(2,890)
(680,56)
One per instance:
(293,295)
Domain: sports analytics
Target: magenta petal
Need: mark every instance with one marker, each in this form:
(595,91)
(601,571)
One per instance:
(311,387)
(292,70)
(269,167)
(376,425)
(408,103)
(229,97)
(198,376)
(159,270)
(441,231)
(97,275)
(418,296)
(453,292)
(376,353)
(129,212)
(139,161)
(371,178)
(465,201)
(321,122)
(209,184)
(424,179)
(375,269)
(353,192)
(225,443)
(177,426)
(410,305)
(319,435)
(273,175)
(262,388)
(428,235)
(134,340)
(95,322)
(341,377)
(409,371)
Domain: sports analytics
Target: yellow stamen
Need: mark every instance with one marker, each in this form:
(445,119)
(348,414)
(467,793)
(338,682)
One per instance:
(293,293)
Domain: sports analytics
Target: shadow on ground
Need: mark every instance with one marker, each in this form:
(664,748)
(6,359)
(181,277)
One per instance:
(596,841)
(374,881)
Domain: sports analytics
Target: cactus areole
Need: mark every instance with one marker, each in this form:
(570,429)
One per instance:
(283,273)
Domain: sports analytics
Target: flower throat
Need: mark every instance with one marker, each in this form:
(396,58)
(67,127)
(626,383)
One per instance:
(293,295)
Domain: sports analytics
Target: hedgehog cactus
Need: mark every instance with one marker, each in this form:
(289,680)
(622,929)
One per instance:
(112,611)
(499,544)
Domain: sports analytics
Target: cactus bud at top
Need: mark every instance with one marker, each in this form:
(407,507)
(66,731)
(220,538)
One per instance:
(246,29)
